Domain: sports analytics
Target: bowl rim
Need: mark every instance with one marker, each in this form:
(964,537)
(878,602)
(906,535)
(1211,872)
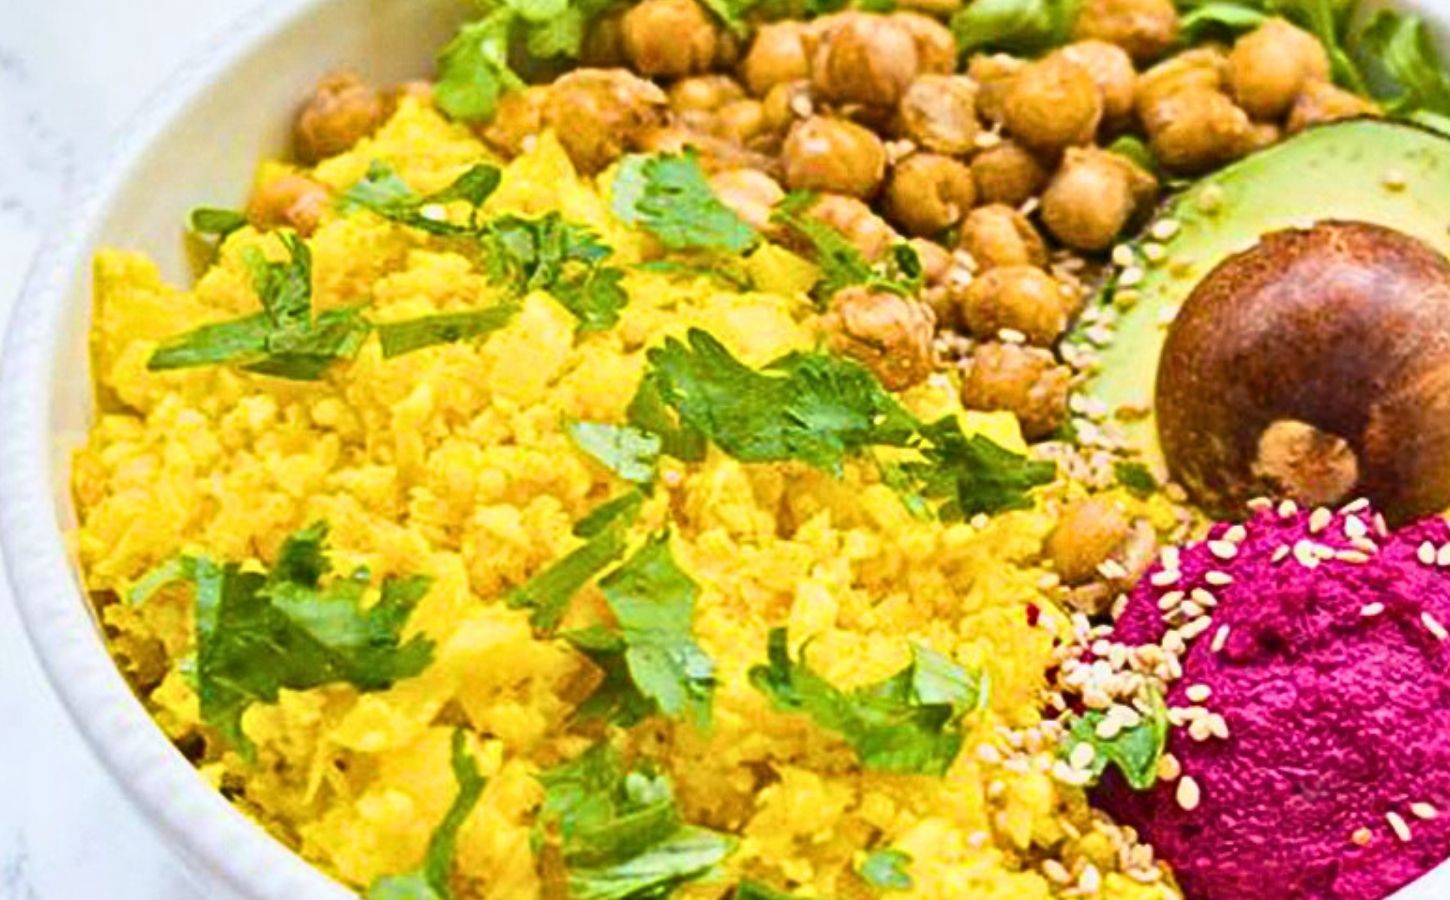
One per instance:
(219,845)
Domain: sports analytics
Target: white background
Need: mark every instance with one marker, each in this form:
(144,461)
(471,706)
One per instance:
(71,73)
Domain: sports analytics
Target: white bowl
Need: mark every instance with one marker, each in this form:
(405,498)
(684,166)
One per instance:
(196,143)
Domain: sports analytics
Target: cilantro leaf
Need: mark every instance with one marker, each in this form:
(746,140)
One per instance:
(750,889)
(1134,751)
(430,881)
(841,264)
(886,869)
(383,192)
(973,474)
(1403,48)
(653,601)
(1015,26)
(562,258)
(220,222)
(670,197)
(908,723)
(257,633)
(1136,478)
(549,592)
(629,452)
(622,509)
(473,68)
(284,340)
(620,832)
(178,568)
(398,338)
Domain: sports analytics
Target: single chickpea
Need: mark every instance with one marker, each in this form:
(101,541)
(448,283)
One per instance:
(1025,381)
(741,122)
(865,59)
(788,103)
(1147,29)
(1203,68)
(776,56)
(290,201)
(1197,130)
(936,49)
(341,111)
(598,114)
(1093,197)
(1322,102)
(939,113)
(716,154)
(1112,70)
(704,93)
(603,46)
(998,235)
(865,230)
(518,120)
(1007,173)
(945,279)
(1089,533)
(1021,298)
(670,38)
(835,155)
(994,74)
(1054,104)
(887,333)
(751,193)
(928,193)
(1270,65)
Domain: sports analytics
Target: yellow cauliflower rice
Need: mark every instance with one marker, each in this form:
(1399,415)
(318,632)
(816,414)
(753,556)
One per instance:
(454,463)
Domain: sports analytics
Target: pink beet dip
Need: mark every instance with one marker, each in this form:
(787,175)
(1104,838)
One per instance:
(1338,713)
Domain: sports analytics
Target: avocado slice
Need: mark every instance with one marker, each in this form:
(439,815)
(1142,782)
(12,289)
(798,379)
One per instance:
(1393,174)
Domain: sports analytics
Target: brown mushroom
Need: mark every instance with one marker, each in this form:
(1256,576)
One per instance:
(1316,366)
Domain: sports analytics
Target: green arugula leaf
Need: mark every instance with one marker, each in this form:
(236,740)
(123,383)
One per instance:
(1402,47)
(284,340)
(1014,26)
(220,222)
(669,196)
(398,338)
(629,452)
(886,870)
(909,723)
(1134,751)
(257,633)
(431,880)
(841,264)
(549,592)
(620,832)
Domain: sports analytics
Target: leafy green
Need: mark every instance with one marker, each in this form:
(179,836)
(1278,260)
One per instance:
(668,195)
(841,264)
(1134,751)
(383,192)
(1230,17)
(1402,48)
(257,633)
(909,723)
(971,473)
(1133,149)
(629,452)
(620,832)
(398,338)
(886,869)
(220,222)
(1136,478)
(1014,26)
(1328,20)
(549,592)
(653,600)
(178,568)
(284,340)
(430,881)
(750,889)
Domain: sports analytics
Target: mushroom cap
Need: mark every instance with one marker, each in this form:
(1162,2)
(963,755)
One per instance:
(1314,342)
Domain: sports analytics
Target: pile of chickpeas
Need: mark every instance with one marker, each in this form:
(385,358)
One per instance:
(994,168)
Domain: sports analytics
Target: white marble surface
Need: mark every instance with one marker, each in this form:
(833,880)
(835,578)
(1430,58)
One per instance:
(71,73)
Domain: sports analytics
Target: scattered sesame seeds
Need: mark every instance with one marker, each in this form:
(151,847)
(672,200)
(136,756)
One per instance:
(1123,255)
(1195,628)
(1362,836)
(1220,638)
(1305,554)
(1056,871)
(1370,610)
(1217,726)
(1433,626)
(1218,579)
(1164,577)
(1169,768)
(1426,554)
(1224,550)
(1236,533)
(1170,600)
(1288,509)
(1319,520)
(1131,276)
(1357,557)
(1260,504)
(1205,599)
(1423,811)
(1356,506)
(1398,826)
(1442,557)
(1189,795)
(1112,570)
(1280,554)
(1090,881)
(1198,693)
(1165,229)
(1354,527)
(1081,756)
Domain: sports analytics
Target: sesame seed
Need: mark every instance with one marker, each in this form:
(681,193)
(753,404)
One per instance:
(1354,527)
(989,754)
(1398,826)
(1011,336)
(1357,557)
(1056,871)
(1131,277)
(1423,811)
(1365,545)
(1280,554)
(1170,600)
(1154,253)
(1433,626)
(1218,579)
(1236,533)
(1210,199)
(1108,728)
(1188,794)
(1112,570)
(1224,550)
(1426,554)
(1288,509)
(1123,256)
(1305,555)
(1217,726)
(1199,730)
(1371,609)
(1171,557)
(1356,506)
(1165,229)
(1442,558)
(1191,609)
(1204,598)
(1195,628)
(1090,881)
(1081,756)
(1164,577)
(1168,767)
(1260,504)
(1381,527)
(1198,692)
(1220,638)
(1319,520)
(1362,836)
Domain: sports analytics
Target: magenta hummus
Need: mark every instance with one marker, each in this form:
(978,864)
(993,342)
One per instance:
(1334,779)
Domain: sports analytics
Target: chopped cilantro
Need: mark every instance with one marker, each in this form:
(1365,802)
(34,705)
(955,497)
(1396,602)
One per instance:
(284,340)
(549,592)
(622,508)
(886,869)
(1399,45)
(841,264)
(383,192)
(257,633)
(631,453)
(670,197)
(619,832)
(1134,751)
(431,880)
(971,473)
(398,338)
(220,222)
(652,661)
(909,723)
(1136,478)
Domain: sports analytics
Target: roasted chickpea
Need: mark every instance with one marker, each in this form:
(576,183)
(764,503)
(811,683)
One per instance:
(936,49)
(1197,130)
(598,114)
(1024,299)
(1321,102)
(887,333)
(1008,174)
(776,56)
(603,46)
(751,193)
(866,231)
(994,75)
(865,59)
(1090,532)
(826,154)
(1025,381)
(1112,70)
(342,111)
(1204,68)
(1147,29)
(1053,104)
(716,154)
(928,193)
(939,113)
(997,235)
(1093,197)
(290,201)
(670,38)
(787,103)
(704,93)
(741,121)
(1270,65)
(518,120)
(946,278)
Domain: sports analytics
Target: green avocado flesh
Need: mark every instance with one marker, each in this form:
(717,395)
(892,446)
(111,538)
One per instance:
(1391,174)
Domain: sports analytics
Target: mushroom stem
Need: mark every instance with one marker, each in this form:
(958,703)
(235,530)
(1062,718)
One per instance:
(1311,466)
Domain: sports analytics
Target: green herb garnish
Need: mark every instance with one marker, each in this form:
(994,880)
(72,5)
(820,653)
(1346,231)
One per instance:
(909,723)
(1134,751)
(629,452)
(549,592)
(669,196)
(1136,478)
(383,192)
(841,264)
(398,338)
(886,870)
(431,880)
(1014,26)
(1401,47)
(218,222)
